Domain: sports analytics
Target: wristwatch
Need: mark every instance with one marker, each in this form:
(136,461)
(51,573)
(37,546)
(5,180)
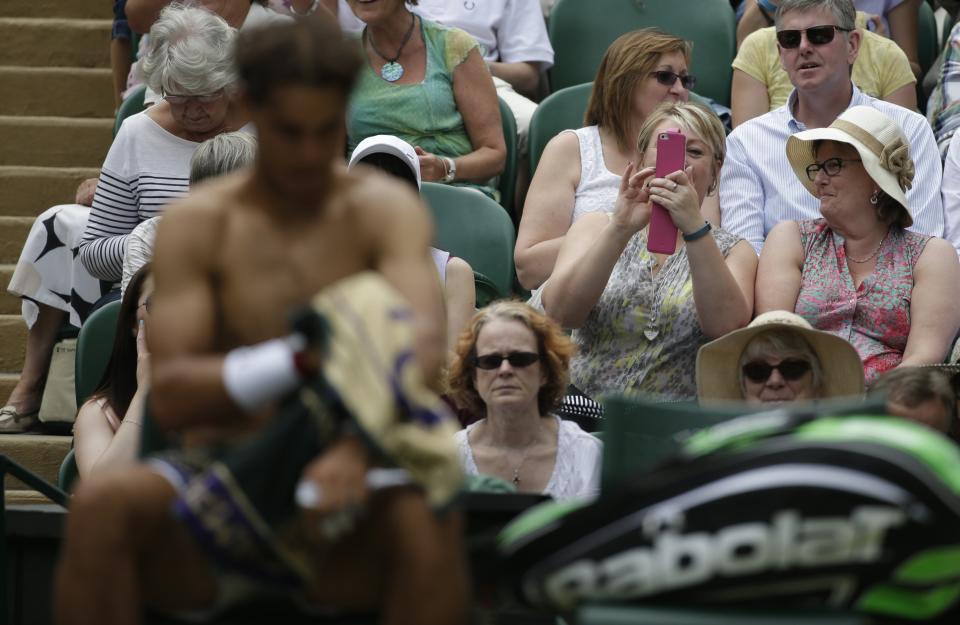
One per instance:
(450,167)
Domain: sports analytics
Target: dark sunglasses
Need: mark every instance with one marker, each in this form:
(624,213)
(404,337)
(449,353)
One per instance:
(831,166)
(516,359)
(792,369)
(668,78)
(816,35)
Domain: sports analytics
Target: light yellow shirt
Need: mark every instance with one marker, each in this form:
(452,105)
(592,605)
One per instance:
(880,69)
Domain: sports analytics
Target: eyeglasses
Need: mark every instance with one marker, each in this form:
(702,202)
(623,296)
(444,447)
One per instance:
(816,35)
(516,359)
(792,369)
(206,98)
(668,78)
(831,166)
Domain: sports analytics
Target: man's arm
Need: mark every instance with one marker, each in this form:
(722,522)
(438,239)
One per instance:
(951,190)
(141,14)
(741,194)
(523,46)
(523,76)
(924,197)
(187,376)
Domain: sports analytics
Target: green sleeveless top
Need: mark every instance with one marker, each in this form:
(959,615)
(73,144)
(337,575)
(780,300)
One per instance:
(423,114)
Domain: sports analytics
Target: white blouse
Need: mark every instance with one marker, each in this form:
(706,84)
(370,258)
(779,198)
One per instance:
(576,473)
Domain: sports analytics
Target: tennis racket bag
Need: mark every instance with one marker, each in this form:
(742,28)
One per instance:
(856,513)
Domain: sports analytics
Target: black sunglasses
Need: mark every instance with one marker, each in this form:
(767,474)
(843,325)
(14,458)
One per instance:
(792,369)
(831,166)
(668,78)
(516,359)
(816,35)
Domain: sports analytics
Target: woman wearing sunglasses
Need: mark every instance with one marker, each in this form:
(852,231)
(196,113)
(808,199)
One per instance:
(511,366)
(107,430)
(579,172)
(778,358)
(857,272)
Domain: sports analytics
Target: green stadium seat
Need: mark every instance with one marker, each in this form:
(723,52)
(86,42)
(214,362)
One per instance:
(475,228)
(93,349)
(581,32)
(507,183)
(635,615)
(132,105)
(68,471)
(928,43)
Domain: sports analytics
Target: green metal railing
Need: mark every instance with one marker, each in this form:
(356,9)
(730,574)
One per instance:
(36,483)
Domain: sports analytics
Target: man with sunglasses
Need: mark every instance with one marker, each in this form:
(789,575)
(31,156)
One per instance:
(818,45)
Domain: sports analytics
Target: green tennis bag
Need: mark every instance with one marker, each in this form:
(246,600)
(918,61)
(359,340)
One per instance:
(852,513)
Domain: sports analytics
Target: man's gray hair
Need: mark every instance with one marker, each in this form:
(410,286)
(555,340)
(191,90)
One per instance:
(221,155)
(844,13)
(190,52)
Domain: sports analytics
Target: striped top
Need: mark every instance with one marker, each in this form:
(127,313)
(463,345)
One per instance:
(758,188)
(145,169)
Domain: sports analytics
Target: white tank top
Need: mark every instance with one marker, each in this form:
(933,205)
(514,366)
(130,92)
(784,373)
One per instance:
(598,186)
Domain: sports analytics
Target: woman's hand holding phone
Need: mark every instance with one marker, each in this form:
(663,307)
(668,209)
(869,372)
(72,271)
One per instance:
(632,210)
(677,195)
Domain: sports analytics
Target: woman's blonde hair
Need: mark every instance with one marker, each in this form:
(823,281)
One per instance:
(555,349)
(626,64)
(698,118)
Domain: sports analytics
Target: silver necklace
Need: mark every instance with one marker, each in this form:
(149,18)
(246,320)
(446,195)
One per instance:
(523,458)
(392,71)
(871,256)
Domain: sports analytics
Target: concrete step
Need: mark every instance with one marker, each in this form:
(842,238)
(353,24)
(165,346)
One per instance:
(63,91)
(55,42)
(13,338)
(83,9)
(28,191)
(54,141)
(13,233)
(9,304)
(7,382)
(39,453)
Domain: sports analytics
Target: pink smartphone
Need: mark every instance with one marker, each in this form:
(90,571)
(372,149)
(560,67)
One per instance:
(671,154)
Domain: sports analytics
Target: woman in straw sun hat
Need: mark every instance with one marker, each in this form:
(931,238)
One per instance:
(778,358)
(857,272)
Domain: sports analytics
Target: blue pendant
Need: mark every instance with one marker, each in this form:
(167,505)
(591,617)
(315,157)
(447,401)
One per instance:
(392,71)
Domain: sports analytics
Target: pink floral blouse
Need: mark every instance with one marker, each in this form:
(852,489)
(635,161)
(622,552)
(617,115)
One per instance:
(874,318)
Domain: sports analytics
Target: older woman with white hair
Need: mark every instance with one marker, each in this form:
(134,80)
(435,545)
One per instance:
(73,255)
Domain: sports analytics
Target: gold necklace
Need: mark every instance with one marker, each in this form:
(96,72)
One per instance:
(871,256)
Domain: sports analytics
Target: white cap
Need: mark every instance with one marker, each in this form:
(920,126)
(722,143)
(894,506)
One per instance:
(387,144)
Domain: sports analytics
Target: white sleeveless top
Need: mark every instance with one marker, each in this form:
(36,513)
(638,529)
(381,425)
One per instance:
(598,186)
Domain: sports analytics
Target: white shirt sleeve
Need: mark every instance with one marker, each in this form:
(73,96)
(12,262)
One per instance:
(139,250)
(951,190)
(926,206)
(741,194)
(522,34)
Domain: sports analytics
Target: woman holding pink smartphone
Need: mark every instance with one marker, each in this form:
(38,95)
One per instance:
(640,316)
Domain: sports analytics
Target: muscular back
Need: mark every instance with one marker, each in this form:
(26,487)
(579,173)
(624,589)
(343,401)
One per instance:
(231,265)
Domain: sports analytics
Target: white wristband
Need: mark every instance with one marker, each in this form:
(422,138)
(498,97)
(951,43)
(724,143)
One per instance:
(256,375)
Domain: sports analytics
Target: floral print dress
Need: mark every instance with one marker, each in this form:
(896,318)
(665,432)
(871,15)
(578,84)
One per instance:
(643,334)
(874,318)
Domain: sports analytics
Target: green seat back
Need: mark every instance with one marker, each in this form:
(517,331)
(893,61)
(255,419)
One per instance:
(132,105)
(928,46)
(582,30)
(508,179)
(648,615)
(475,228)
(94,345)
(562,110)
(486,290)
(68,471)
(637,434)
(559,111)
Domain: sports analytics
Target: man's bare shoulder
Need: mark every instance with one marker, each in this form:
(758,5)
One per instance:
(206,208)
(381,197)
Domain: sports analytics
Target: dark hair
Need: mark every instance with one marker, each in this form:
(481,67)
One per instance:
(310,51)
(392,165)
(911,386)
(119,381)
(891,212)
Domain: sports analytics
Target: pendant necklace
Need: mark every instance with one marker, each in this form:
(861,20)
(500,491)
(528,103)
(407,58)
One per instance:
(392,71)
(523,458)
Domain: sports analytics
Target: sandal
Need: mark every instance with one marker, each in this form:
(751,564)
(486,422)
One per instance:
(13,422)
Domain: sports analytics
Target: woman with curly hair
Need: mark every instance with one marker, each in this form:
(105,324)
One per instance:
(512,366)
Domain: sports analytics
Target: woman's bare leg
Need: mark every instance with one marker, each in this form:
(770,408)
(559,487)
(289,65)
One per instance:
(41,338)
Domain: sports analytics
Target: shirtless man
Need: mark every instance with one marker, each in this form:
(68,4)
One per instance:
(231,263)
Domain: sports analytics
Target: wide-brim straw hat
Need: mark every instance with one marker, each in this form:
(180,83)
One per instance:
(718,374)
(878,139)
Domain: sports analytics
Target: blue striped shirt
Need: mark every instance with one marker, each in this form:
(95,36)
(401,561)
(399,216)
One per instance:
(758,188)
